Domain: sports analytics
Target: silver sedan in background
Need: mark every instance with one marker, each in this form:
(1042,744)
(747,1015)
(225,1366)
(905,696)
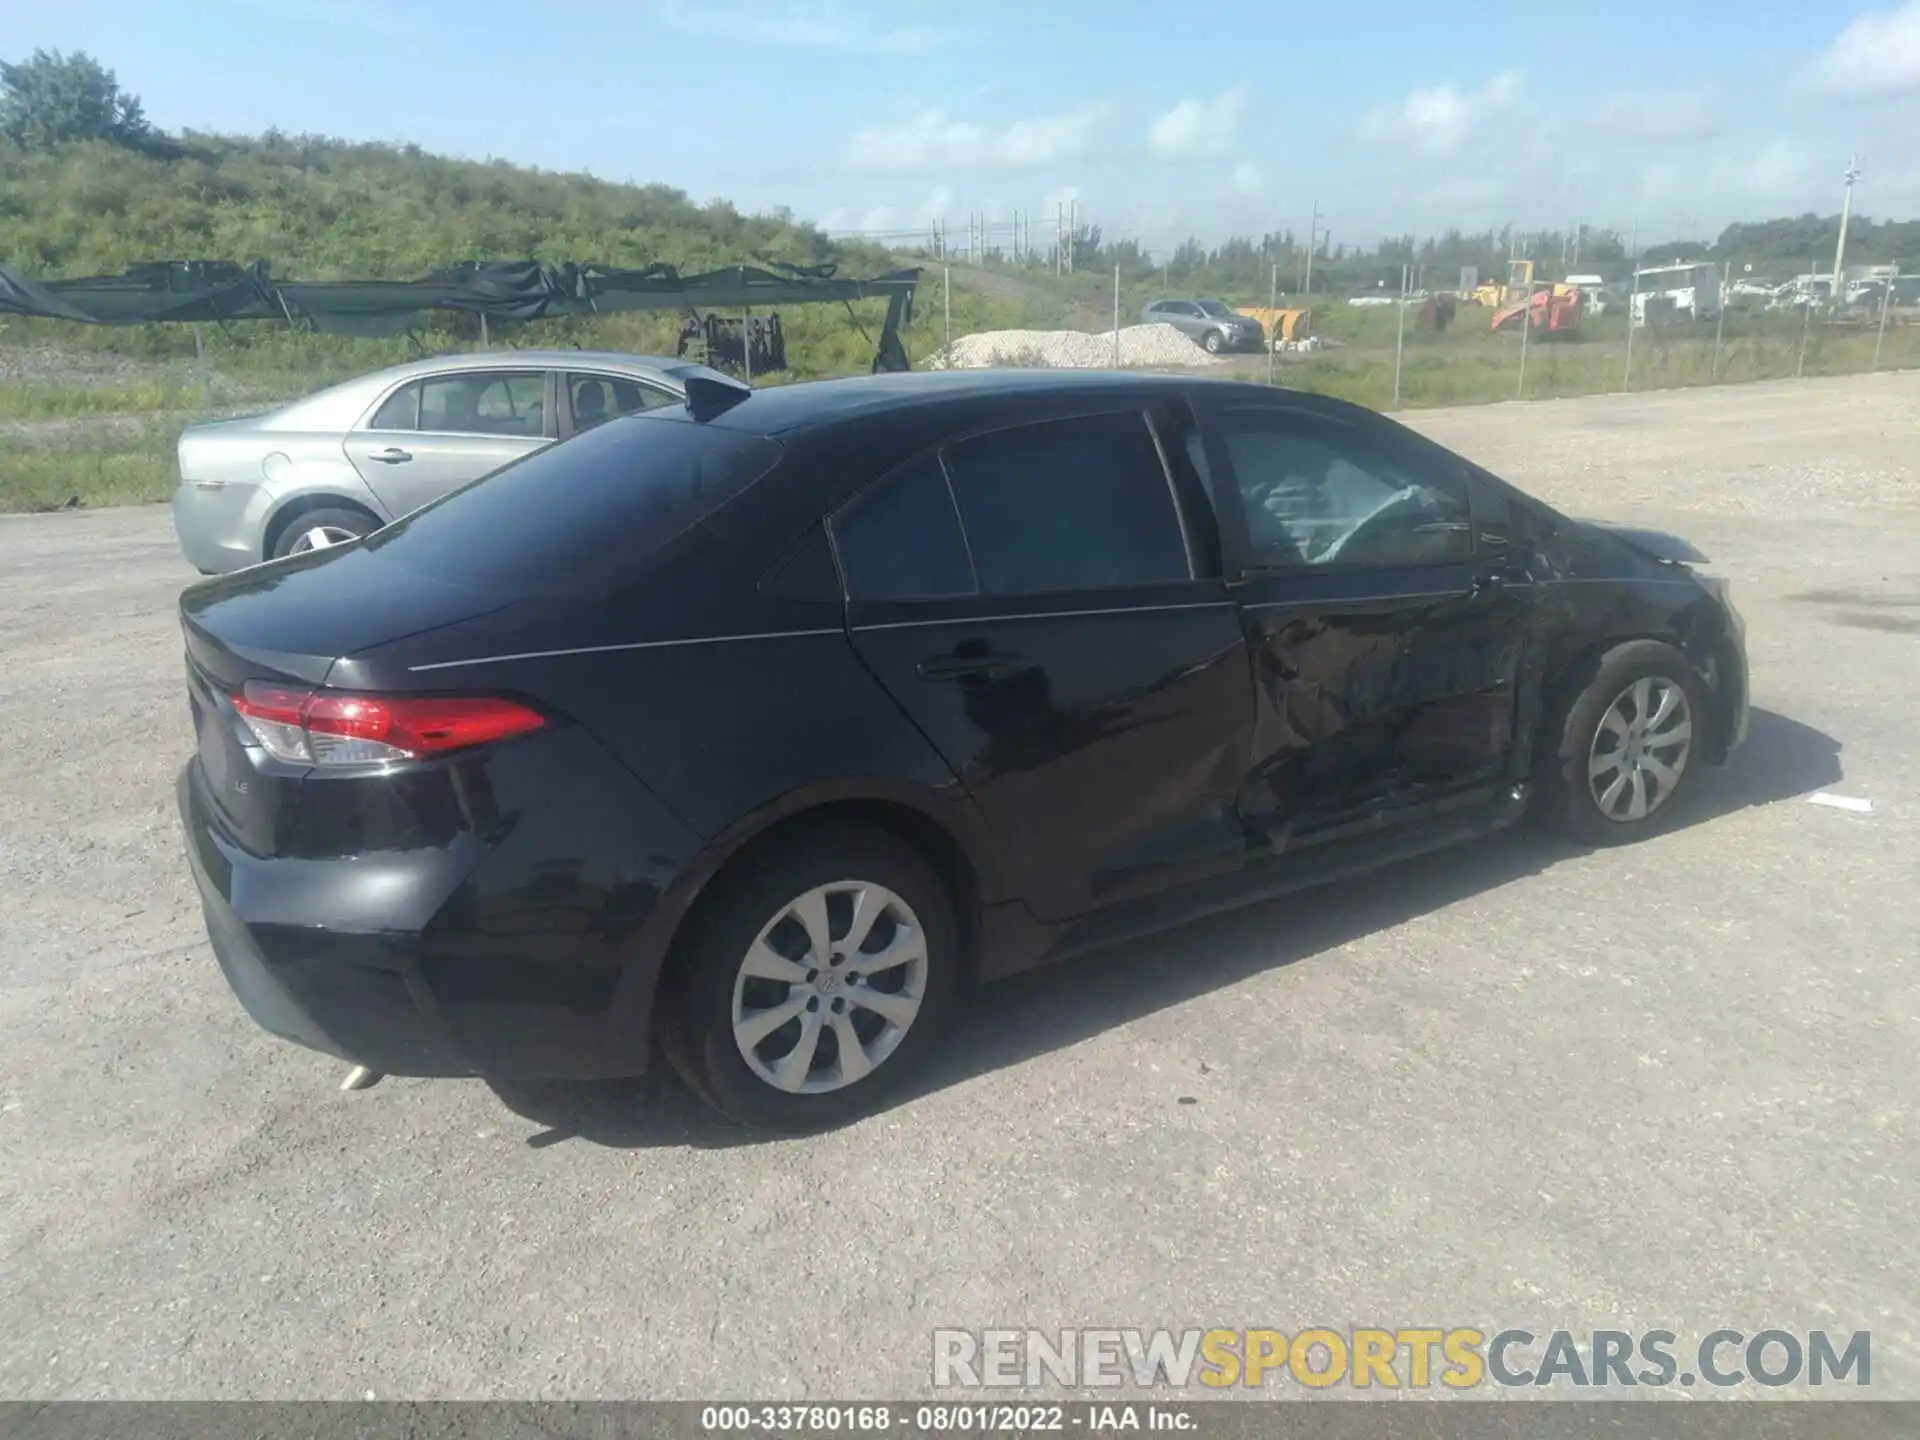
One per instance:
(342,463)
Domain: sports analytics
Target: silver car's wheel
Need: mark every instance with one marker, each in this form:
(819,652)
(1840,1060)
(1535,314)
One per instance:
(320,537)
(829,987)
(1640,749)
(320,529)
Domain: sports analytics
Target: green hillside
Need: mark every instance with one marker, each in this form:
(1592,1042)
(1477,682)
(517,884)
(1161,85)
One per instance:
(316,208)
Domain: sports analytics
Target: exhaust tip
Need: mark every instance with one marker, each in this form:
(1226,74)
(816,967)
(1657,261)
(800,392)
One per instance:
(361,1078)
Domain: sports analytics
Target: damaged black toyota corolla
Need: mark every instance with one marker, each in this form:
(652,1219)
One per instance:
(757,726)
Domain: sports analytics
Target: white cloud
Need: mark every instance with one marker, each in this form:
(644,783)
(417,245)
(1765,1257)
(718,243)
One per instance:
(1778,170)
(932,140)
(1444,118)
(938,203)
(1878,53)
(805,27)
(1198,127)
(1247,179)
(1663,115)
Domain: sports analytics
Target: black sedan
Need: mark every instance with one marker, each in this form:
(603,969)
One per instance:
(760,724)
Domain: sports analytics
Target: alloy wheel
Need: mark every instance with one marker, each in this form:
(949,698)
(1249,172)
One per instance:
(321,537)
(829,987)
(1640,749)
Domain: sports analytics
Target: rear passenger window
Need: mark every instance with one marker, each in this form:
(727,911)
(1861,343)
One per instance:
(482,403)
(903,541)
(1068,505)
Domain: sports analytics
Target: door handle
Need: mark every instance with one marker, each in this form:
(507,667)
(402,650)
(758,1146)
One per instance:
(392,455)
(988,666)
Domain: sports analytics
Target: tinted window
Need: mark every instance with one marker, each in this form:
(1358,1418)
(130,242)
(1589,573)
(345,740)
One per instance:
(572,517)
(1318,495)
(401,411)
(1068,505)
(903,540)
(602,397)
(485,403)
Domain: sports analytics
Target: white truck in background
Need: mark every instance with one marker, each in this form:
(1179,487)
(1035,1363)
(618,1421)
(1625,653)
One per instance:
(1687,291)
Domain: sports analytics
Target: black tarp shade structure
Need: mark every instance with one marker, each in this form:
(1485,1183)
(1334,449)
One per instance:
(191,291)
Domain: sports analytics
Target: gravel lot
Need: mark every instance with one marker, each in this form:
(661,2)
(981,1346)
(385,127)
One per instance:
(1516,1085)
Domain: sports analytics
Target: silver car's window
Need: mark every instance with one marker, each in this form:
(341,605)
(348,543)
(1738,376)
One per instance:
(595,398)
(485,402)
(401,410)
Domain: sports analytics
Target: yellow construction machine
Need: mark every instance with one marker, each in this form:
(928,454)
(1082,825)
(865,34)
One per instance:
(1282,324)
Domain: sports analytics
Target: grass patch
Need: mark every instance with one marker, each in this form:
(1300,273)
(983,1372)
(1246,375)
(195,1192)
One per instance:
(129,459)
(62,402)
(123,467)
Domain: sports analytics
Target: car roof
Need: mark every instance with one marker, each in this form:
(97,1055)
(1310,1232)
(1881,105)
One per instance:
(341,405)
(782,409)
(651,365)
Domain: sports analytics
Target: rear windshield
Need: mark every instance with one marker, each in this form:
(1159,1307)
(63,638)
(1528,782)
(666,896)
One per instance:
(580,513)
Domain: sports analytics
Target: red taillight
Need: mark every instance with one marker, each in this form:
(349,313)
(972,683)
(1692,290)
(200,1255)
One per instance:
(325,727)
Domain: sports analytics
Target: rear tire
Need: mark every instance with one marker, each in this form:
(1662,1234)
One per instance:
(1625,743)
(336,525)
(815,981)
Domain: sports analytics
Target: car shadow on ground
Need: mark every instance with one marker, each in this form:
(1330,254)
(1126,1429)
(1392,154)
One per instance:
(1054,1007)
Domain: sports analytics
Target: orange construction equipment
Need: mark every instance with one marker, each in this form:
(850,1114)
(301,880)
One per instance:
(1281,324)
(1554,309)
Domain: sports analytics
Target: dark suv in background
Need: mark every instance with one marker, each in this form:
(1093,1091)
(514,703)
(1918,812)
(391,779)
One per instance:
(761,723)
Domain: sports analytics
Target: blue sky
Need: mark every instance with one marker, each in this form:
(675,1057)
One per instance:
(1396,116)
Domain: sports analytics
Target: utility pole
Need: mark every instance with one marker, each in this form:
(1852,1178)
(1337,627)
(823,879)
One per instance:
(1059,237)
(1273,302)
(1840,246)
(1313,231)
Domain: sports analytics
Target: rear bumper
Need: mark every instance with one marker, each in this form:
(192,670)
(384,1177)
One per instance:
(473,971)
(219,528)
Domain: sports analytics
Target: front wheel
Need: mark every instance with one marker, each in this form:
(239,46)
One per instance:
(1215,342)
(1627,743)
(815,981)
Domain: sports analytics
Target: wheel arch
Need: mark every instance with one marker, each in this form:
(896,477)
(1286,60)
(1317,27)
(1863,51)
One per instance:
(305,503)
(1564,678)
(939,834)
